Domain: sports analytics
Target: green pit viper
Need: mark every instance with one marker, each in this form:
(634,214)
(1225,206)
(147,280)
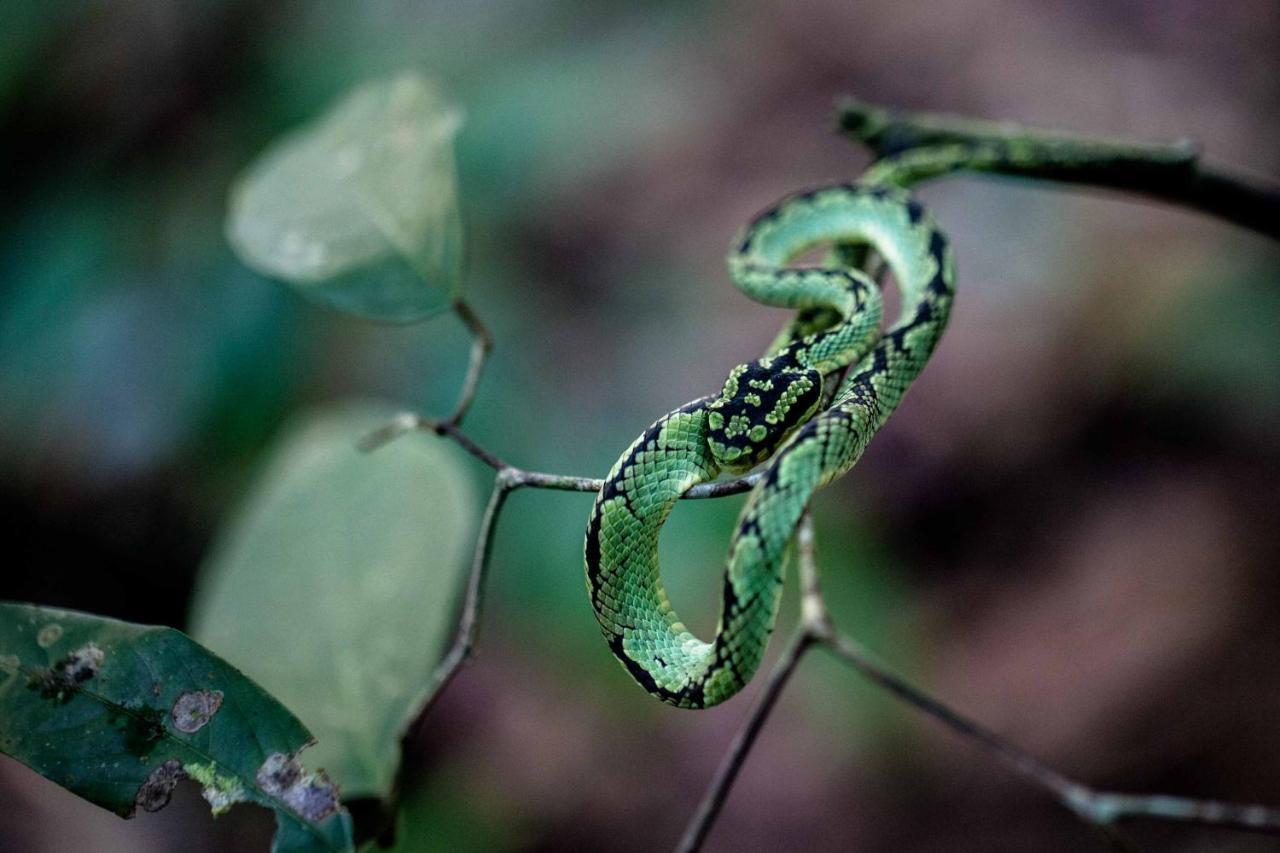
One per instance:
(769,411)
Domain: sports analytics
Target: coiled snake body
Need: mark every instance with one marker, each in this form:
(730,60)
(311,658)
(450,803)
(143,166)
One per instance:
(769,410)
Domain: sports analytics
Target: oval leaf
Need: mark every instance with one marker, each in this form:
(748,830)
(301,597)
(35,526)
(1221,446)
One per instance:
(359,209)
(336,584)
(120,713)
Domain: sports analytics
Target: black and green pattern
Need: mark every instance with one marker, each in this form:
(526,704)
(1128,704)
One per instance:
(768,410)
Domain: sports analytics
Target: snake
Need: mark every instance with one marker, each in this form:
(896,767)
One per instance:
(803,413)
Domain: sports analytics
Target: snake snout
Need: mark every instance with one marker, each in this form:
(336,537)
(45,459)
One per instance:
(761,403)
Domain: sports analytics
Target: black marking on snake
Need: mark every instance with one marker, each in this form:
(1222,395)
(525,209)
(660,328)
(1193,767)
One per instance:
(760,219)
(751,527)
(938,249)
(611,491)
(852,418)
(593,553)
(755,392)
(638,672)
(690,695)
(771,480)
(879,358)
(734,604)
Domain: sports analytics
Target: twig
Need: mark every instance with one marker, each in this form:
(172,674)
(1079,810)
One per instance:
(861,660)
(813,607)
(507,479)
(1102,808)
(464,638)
(713,800)
(915,147)
(409,422)
(813,615)
(888,132)
(481,346)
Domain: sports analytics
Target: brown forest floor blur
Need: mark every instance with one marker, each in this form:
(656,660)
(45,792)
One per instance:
(1074,510)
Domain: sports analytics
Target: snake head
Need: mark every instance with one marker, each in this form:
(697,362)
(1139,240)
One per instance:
(759,406)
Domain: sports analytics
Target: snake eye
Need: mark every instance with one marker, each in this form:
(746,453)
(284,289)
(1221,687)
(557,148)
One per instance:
(757,409)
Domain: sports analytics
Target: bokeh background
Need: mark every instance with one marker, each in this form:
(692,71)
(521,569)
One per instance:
(1068,531)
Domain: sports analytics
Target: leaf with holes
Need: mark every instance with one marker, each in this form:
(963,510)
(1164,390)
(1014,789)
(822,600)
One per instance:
(120,713)
(359,209)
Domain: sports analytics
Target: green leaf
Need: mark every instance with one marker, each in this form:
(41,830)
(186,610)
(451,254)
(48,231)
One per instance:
(335,585)
(359,209)
(120,713)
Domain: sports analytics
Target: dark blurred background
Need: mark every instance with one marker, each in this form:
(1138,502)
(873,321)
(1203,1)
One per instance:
(1068,531)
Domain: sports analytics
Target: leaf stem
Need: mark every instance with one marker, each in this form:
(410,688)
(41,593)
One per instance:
(481,346)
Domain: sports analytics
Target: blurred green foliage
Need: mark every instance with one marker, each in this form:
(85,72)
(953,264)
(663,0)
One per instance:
(336,584)
(359,209)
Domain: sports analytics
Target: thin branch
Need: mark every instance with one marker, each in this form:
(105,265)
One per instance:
(481,346)
(813,607)
(813,612)
(915,147)
(1021,762)
(888,132)
(1101,808)
(508,478)
(713,800)
(464,641)
(464,637)
(562,482)
(406,422)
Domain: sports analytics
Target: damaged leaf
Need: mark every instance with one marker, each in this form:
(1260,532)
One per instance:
(347,566)
(120,714)
(359,209)
(154,794)
(194,709)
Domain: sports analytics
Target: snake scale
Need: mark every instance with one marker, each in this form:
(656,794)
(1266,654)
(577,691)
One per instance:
(769,411)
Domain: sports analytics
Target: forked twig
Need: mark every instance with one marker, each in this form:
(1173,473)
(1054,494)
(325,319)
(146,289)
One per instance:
(409,422)
(727,773)
(1102,809)
(813,613)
